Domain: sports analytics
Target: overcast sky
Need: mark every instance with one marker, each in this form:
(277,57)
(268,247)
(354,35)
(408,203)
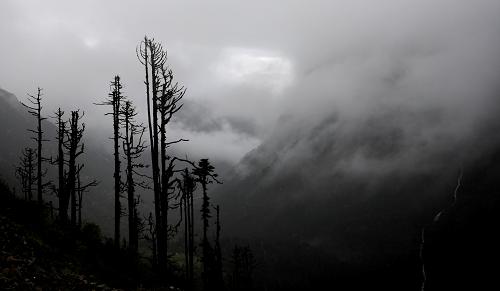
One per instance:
(246,63)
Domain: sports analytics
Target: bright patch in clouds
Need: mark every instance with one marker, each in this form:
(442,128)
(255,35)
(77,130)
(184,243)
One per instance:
(256,68)
(90,42)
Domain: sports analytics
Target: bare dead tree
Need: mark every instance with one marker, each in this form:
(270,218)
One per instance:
(163,101)
(26,172)
(61,134)
(21,175)
(133,147)
(140,224)
(80,190)
(150,57)
(35,109)
(151,237)
(219,280)
(115,99)
(75,148)
(187,187)
(171,95)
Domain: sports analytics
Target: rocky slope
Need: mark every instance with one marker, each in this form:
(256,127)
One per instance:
(26,263)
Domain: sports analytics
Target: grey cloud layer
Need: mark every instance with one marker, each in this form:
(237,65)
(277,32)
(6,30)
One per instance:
(350,58)
(397,97)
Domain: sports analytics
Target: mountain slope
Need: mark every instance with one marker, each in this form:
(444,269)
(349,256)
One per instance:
(14,135)
(16,121)
(359,192)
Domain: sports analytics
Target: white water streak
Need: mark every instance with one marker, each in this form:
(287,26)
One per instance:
(436,219)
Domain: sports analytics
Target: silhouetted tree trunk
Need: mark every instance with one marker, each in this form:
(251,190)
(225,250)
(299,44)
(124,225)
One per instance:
(188,186)
(129,139)
(191,237)
(20,174)
(187,252)
(133,147)
(114,100)
(205,175)
(151,236)
(80,189)
(150,55)
(75,149)
(218,253)
(36,110)
(26,172)
(61,132)
(170,96)
(162,100)
(80,198)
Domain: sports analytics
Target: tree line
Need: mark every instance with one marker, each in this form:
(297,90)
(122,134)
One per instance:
(31,172)
(175,182)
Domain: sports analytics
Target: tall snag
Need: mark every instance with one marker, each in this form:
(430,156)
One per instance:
(170,96)
(35,109)
(75,148)
(115,99)
(163,97)
(133,147)
(61,133)
(187,187)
